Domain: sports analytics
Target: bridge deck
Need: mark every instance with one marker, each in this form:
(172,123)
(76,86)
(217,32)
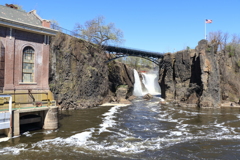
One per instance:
(124,52)
(130,51)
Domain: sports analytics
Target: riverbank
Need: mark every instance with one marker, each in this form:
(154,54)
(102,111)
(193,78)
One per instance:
(226,104)
(230,105)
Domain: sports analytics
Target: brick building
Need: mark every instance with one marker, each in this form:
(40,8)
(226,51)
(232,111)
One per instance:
(24,54)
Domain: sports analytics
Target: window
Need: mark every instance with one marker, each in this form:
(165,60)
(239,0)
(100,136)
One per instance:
(28,64)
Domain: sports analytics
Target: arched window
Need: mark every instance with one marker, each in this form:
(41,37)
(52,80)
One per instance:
(28,65)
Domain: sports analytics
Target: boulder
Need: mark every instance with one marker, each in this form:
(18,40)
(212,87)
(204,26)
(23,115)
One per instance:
(162,102)
(131,98)
(124,101)
(147,96)
(121,92)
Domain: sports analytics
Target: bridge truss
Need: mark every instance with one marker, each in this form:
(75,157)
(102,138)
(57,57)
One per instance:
(120,52)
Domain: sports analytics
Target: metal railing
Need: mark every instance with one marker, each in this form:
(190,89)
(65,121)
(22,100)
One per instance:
(65,31)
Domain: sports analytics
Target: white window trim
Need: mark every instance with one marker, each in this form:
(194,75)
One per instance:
(28,83)
(10,34)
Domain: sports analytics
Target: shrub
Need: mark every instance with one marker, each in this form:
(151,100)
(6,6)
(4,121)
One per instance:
(209,49)
(231,50)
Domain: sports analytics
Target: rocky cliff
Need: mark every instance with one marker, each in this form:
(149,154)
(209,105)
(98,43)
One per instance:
(121,80)
(79,76)
(229,67)
(202,77)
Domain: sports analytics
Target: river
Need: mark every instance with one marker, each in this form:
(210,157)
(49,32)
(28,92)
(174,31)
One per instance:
(143,130)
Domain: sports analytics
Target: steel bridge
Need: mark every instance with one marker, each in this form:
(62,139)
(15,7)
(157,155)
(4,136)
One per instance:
(119,52)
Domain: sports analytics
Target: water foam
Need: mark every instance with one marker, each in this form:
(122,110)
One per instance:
(108,120)
(124,141)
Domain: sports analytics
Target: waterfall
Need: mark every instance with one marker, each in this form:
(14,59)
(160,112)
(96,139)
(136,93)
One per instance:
(150,81)
(137,91)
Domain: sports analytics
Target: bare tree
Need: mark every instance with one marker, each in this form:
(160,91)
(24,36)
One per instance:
(219,38)
(226,43)
(55,24)
(95,31)
(235,40)
(234,45)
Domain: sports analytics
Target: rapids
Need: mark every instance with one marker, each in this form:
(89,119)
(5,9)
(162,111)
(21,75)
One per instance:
(144,130)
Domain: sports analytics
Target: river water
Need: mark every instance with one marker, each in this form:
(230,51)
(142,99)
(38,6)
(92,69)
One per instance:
(143,130)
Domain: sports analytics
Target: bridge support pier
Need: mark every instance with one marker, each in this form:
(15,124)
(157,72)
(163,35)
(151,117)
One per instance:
(51,119)
(16,123)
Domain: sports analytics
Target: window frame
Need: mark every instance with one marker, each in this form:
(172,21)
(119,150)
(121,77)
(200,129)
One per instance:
(28,65)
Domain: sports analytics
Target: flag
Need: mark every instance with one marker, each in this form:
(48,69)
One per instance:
(208,21)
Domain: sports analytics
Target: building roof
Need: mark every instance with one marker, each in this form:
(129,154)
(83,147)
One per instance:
(29,21)
(20,16)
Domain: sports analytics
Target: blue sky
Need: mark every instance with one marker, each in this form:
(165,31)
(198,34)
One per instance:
(152,25)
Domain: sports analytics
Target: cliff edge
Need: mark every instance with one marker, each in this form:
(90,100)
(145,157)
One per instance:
(80,78)
(202,77)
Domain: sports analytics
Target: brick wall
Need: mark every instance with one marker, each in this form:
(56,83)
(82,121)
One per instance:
(13,59)
(46,23)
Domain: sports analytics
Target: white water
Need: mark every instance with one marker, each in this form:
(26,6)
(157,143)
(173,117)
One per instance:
(144,130)
(150,81)
(137,91)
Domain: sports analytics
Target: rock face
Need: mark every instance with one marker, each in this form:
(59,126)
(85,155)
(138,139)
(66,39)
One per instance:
(210,75)
(79,76)
(121,79)
(192,77)
(229,66)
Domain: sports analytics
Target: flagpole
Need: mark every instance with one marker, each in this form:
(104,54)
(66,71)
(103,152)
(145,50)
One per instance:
(207,21)
(205,31)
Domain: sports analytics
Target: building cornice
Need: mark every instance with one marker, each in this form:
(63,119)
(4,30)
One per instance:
(27,27)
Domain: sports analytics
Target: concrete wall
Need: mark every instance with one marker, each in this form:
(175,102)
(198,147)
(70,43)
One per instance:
(49,118)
